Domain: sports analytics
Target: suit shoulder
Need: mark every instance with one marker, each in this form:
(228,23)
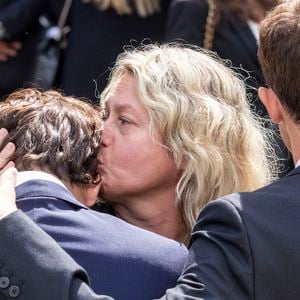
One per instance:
(285,189)
(279,188)
(225,206)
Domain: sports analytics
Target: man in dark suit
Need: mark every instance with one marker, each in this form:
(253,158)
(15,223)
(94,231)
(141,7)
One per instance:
(244,246)
(58,142)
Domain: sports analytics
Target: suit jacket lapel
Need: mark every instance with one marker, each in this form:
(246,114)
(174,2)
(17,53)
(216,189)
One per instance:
(244,33)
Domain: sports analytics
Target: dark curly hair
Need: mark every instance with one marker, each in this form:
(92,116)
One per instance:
(53,133)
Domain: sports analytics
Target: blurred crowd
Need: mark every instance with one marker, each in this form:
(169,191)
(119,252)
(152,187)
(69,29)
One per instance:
(100,29)
(98,32)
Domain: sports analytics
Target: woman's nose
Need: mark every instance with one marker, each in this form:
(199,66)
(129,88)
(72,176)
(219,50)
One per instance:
(107,136)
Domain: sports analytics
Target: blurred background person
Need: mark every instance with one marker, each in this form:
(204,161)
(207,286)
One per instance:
(229,28)
(100,31)
(21,31)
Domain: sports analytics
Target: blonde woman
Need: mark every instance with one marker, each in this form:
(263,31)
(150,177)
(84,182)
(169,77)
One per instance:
(178,133)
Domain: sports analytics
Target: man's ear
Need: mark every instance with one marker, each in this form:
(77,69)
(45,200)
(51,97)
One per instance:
(272,104)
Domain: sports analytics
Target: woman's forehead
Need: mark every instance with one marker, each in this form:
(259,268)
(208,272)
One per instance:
(122,90)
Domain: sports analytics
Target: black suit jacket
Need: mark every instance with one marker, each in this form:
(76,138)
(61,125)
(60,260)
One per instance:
(26,271)
(246,246)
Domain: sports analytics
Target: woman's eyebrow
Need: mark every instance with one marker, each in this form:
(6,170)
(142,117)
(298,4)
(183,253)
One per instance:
(121,107)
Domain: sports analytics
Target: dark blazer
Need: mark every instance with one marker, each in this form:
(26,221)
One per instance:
(34,267)
(122,260)
(246,246)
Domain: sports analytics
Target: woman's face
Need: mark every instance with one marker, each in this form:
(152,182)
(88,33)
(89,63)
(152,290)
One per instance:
(132,163)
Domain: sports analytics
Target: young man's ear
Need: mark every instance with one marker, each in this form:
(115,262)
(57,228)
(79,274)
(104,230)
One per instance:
(272,104)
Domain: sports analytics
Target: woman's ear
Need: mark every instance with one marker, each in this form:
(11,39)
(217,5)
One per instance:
(272,104)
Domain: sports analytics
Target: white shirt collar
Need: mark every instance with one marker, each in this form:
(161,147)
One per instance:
(297,163)
(254,29)
(24,176)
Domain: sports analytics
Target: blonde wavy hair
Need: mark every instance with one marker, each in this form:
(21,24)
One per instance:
(201,110)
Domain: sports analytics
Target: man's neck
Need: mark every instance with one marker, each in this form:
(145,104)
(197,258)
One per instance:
(84,193)
(293,132)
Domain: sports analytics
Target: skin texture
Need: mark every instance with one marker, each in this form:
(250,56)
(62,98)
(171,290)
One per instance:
(132,162)
(85,193)
(139,175)
(289,129)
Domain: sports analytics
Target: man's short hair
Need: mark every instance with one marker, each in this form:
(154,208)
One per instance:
(54,133)
(279,54)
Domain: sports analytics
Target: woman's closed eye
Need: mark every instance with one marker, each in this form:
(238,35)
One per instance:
(124,121)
